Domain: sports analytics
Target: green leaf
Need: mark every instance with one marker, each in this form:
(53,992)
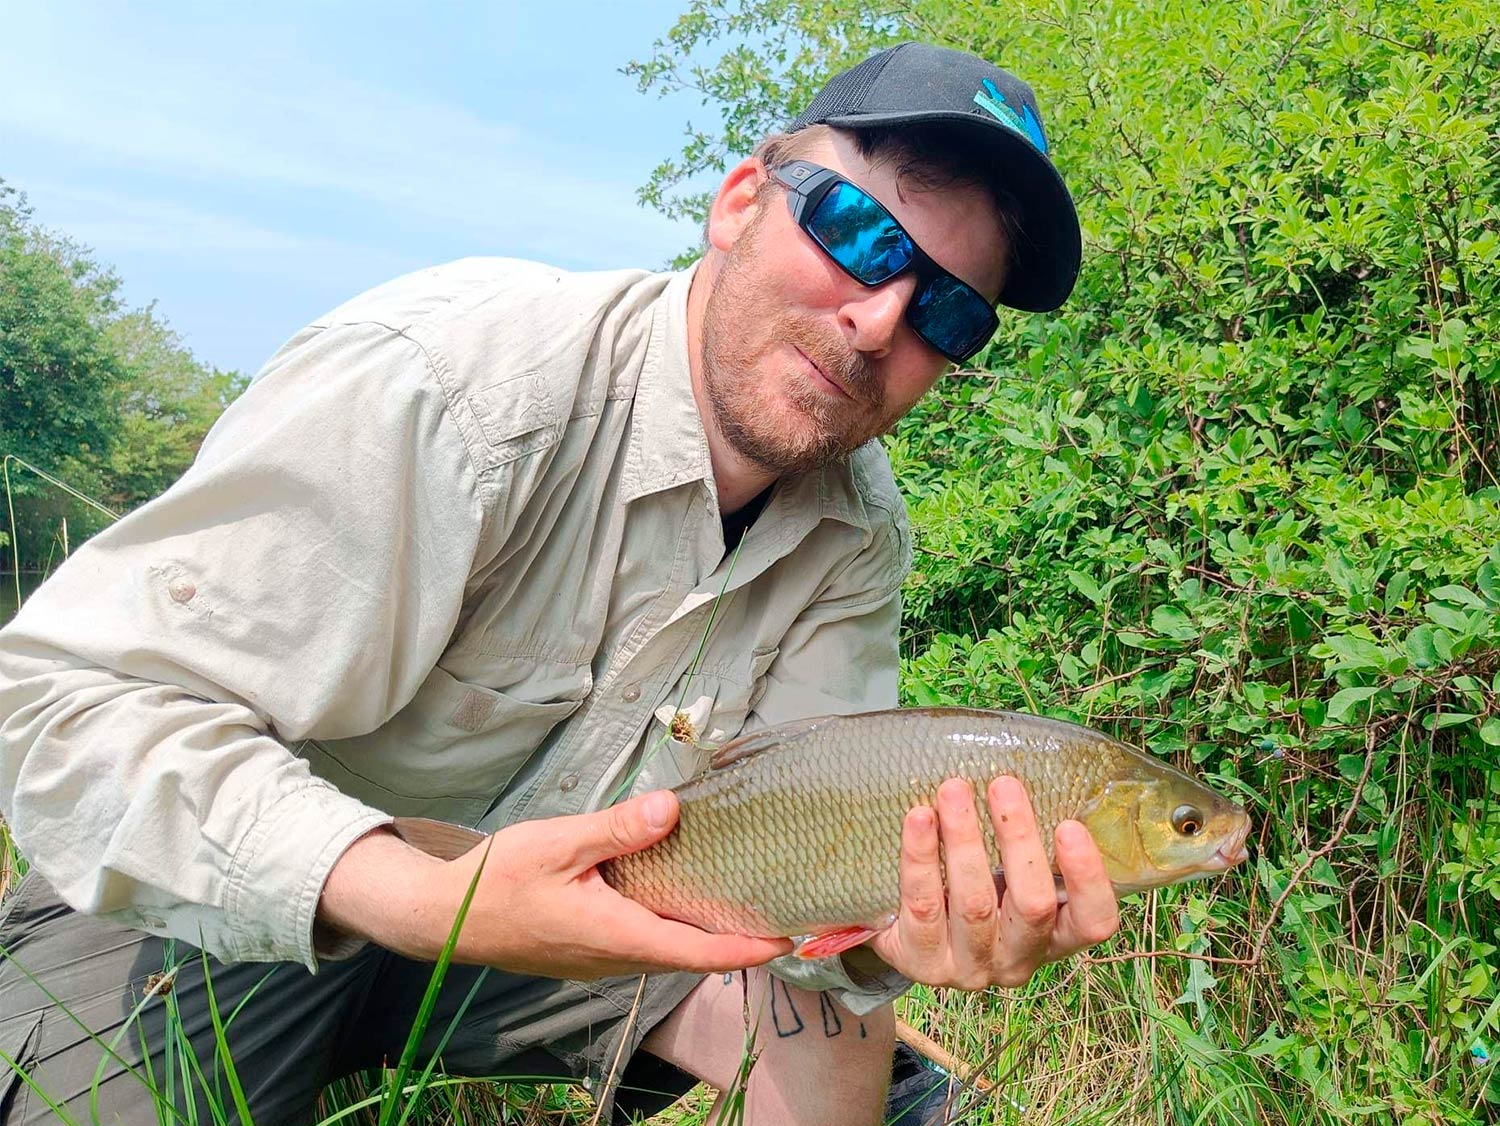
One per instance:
(1351,767)
(1174,623)
(1086,586)
(1489,731)
(1346,699)
(1450,719)
(1355,652)
(1442,641)
(1459,596)
(924,696)
(1314,710)
(1489,583)
(1395,590)
(1447,617)
(1422,648)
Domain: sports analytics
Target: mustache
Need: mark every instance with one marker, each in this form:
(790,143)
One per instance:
(827,348)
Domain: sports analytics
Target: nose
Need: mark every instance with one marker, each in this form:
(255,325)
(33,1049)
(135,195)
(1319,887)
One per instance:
(872,316)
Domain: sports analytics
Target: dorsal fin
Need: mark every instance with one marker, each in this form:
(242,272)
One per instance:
(758,741)
(436,838)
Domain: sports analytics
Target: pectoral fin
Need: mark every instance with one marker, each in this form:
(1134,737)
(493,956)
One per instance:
(1062,890)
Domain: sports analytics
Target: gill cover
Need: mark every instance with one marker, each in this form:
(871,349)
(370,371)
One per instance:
(1112,820)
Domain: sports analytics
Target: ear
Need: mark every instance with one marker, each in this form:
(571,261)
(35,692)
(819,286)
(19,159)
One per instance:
(735,205)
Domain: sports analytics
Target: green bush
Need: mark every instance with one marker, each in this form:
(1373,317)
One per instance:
(1239,501)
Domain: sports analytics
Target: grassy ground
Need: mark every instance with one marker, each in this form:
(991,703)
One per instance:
(1117,1038)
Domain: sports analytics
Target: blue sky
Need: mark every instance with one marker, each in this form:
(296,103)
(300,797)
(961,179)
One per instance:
(250,166)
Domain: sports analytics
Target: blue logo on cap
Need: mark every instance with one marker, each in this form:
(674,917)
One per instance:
(1025,123)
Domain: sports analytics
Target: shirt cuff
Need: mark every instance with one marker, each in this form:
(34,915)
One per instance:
(278,873)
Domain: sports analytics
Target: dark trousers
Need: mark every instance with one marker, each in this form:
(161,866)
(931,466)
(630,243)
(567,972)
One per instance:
(289,1032)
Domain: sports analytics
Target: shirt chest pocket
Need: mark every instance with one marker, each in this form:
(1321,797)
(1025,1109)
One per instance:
(451,750)
(705,709)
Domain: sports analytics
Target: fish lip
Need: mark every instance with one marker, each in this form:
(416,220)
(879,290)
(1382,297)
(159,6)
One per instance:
(1229,860)
(1235,850)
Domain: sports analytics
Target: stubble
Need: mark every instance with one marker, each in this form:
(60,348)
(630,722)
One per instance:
(744,322)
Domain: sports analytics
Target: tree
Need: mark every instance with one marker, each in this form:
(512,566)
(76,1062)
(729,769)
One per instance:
(166,400)
(58,370)
(104,397)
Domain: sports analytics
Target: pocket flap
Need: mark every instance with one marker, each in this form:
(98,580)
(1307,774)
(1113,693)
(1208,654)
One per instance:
(516,415)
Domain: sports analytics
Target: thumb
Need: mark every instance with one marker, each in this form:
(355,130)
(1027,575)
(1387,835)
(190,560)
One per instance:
(628,827)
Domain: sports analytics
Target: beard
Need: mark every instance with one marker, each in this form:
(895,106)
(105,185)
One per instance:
(803,427)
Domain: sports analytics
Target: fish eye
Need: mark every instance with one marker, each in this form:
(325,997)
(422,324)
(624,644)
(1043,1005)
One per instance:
(1187,820)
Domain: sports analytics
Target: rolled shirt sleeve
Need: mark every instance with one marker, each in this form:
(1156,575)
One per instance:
(297,583)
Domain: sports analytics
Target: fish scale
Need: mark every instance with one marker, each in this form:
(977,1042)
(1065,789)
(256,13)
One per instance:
(798,830)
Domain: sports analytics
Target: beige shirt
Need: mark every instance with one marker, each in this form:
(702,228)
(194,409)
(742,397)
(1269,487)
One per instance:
(454,553)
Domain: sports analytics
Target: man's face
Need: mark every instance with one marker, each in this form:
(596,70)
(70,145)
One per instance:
(801,363)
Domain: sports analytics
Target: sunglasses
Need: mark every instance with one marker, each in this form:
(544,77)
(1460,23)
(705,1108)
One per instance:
(865,241)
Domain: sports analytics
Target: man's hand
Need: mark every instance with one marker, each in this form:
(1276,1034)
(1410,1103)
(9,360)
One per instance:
(540,906)
(970,938)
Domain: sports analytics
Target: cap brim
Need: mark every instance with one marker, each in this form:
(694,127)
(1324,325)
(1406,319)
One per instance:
(1049,245)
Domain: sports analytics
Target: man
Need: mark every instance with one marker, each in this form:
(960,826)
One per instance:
(474,547)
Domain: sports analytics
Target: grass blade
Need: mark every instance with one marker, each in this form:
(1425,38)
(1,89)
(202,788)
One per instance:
(222,1048)
(429,999)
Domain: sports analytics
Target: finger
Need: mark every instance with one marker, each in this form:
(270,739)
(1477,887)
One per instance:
(973,921)
(923,924)
(1092,913)
(1029,909)
(692,949)
(588,838)
(656,943)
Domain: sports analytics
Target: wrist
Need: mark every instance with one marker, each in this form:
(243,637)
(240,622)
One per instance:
(388,892)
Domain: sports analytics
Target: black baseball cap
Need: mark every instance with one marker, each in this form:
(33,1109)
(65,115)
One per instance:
(913,83)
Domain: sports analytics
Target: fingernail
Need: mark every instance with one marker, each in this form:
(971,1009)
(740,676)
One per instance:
(1006,786)
(658,810)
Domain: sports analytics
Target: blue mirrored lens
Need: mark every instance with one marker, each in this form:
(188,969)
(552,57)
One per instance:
(862,237)
(860,234)
(951,317)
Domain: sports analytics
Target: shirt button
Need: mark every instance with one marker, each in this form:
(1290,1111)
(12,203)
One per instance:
(567,782)
(631,694)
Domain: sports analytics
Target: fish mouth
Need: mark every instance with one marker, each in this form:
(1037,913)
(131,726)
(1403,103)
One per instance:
(1234,850)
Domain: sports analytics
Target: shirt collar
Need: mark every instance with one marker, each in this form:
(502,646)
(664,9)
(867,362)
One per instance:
(668,446)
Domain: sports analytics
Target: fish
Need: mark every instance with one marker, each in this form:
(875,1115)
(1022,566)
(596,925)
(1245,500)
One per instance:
(795,831)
